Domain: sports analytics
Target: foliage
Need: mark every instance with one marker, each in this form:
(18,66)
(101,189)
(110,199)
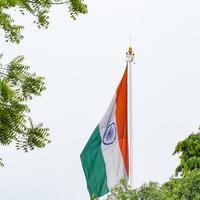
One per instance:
(17,86)
(150,191)
(39,9)
(190,153)
(122,191)
(185,188)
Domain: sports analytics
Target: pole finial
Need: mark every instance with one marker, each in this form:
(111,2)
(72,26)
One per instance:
(130,51)
(130,54)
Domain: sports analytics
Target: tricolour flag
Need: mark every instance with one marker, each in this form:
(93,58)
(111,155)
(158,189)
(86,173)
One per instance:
(105,157)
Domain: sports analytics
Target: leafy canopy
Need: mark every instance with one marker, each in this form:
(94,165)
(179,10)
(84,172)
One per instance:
(17,86)
(189,150)
(185,188)
(39,9)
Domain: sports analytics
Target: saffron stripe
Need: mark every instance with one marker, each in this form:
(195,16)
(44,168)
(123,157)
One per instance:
(121,118)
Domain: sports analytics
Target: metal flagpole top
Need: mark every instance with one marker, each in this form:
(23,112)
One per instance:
(130,56)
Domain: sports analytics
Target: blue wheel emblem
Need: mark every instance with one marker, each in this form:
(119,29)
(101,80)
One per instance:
(110,134)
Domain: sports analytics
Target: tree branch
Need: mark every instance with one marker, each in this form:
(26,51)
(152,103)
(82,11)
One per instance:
(59,3)
(52,3)
(4,74)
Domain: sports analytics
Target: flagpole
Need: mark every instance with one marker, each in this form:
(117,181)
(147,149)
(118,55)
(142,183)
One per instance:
(130,61)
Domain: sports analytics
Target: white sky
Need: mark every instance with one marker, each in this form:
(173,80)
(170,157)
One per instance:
(83,62)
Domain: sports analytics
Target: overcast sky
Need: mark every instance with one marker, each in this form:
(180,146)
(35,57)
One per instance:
(83,62)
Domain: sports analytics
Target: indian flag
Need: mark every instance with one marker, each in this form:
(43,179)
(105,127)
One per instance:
(105,156)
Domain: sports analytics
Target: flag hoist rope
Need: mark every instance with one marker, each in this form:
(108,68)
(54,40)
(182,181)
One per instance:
(130,62)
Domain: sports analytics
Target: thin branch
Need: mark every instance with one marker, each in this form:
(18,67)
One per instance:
(3,68)
(52,3)
(58,3)
(4,74)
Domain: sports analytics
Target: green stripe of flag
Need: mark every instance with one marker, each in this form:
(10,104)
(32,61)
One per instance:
(94,165)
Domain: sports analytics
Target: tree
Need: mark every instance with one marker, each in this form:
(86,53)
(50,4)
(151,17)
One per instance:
(39,9)
(17,86)
(190,154)
(122,191)
(185,188)
(150,191)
